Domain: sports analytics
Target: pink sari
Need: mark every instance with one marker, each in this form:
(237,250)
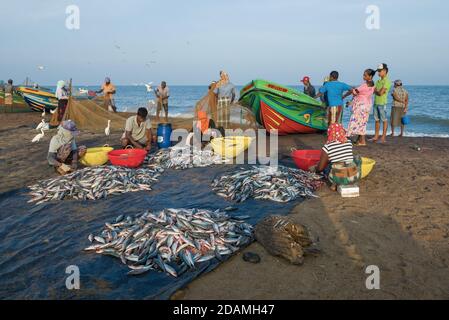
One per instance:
(361,108)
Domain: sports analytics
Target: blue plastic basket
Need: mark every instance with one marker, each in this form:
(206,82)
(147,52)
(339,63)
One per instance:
(405,120)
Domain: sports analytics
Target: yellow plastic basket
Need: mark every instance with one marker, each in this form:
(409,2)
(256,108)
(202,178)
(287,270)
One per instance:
(367,166)
(96,156)
(231,147)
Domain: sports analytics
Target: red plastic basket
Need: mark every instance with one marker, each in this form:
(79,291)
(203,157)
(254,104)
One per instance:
(304,159)
(131,158)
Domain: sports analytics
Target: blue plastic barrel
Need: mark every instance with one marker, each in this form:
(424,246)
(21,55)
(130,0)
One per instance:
(405,120)
(163,135)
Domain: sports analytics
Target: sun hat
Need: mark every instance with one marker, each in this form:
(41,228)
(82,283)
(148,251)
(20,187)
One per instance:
(70,126)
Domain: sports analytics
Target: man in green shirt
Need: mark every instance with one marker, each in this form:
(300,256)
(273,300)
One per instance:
(383,86)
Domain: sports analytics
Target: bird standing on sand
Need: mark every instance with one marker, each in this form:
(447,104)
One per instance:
(43,113)
(107,130)
(39,136)
(43,125)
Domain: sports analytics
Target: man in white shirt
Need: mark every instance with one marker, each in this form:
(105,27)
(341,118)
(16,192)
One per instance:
(138,131)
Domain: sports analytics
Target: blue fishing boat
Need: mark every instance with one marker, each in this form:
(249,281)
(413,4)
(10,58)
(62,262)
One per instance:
(40,98)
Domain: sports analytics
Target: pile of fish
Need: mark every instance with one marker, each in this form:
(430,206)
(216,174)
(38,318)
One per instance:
(94,183)
(171,240)
(181,158)
(280,184)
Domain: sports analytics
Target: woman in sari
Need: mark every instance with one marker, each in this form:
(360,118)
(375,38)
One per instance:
(361,107)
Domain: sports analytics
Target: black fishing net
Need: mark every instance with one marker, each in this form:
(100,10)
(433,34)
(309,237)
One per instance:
(39,242)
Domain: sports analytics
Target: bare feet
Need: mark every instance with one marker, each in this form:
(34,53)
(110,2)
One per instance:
(373,139)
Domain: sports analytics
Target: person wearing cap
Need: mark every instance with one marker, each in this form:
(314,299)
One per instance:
(63,152)
(334,90)
(399,107)
(108,89)
(383,86)
(308,88)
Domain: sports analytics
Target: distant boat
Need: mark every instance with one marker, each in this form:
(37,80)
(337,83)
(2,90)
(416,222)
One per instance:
(83,91)
(40,99)
(284,109)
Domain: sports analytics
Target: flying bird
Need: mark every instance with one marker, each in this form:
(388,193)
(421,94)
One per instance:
(41,68)
(107,130)
(149,88)
(39,136)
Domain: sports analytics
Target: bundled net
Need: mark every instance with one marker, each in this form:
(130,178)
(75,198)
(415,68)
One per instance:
(239,116)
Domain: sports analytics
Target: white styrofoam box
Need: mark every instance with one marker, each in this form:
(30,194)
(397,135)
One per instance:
(349,191)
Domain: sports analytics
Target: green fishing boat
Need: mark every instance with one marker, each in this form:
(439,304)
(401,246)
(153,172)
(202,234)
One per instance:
(284,109)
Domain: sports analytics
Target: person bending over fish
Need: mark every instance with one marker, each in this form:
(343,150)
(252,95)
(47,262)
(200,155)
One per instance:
(63,153)
(138,131)
(337,160)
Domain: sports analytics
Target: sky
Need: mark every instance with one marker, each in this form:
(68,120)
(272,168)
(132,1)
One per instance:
(189,42)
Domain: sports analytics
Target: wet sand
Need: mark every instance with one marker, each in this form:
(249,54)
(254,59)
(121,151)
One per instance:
(400,223)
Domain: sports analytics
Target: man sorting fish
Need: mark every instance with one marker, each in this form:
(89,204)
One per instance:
(138,131)
(63,153)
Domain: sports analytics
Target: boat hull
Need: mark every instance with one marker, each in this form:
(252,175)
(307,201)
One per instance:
(284,109)
(38,100)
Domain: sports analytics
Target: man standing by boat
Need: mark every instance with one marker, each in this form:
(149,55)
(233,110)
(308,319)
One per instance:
(9,91)
(227,95)
(334,90)
(383,86)
(162,93)
(62,94)
(308,88)
(108,90)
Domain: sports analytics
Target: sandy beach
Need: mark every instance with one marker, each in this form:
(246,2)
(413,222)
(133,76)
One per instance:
(400,223)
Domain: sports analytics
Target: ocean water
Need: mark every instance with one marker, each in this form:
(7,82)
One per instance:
(428,110)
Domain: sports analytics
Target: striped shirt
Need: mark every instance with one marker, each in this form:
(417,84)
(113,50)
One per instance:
(339,152)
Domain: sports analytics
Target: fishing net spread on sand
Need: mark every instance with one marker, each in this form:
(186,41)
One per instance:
(90,115)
